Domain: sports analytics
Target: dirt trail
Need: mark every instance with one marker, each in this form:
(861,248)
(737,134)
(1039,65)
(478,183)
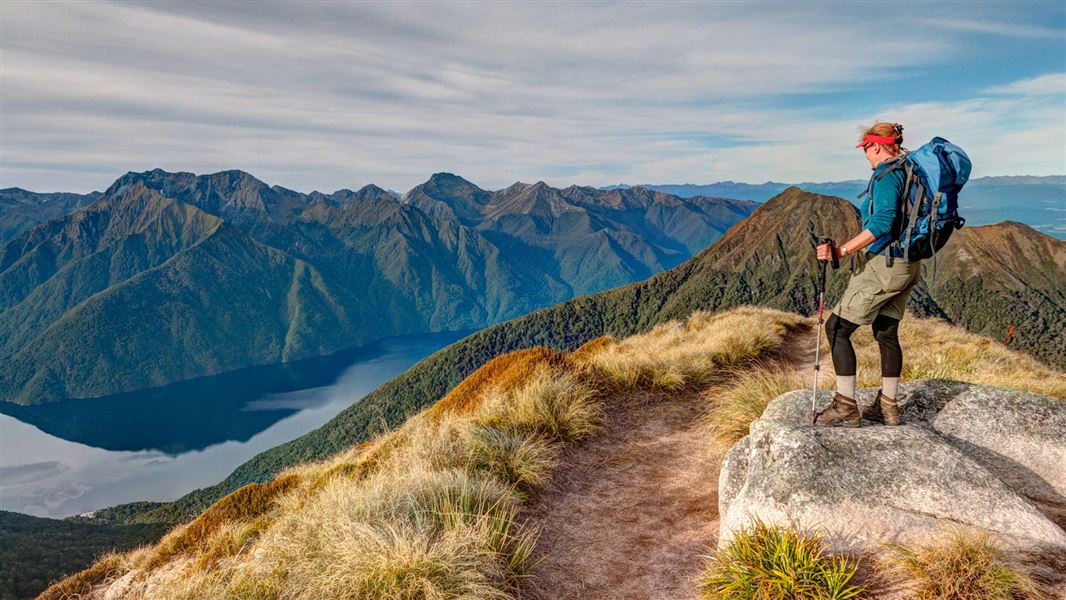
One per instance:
(634,511)
(634,508)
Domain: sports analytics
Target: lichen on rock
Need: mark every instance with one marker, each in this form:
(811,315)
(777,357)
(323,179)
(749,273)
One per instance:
(967,455)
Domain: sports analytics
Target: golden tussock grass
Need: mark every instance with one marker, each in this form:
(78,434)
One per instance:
(933,348)
(960,565)
(551,403)
(429,510)
(502,372)
(733,407)
(105,569)
(591,347)
(247,503)
(687,355)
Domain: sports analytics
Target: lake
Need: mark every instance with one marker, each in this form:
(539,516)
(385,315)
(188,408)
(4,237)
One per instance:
(76,456)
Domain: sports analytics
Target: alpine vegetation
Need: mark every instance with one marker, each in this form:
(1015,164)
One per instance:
(431,509)
(961,565)
(764,561)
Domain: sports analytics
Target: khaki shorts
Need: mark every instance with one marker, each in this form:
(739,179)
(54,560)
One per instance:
(878,289)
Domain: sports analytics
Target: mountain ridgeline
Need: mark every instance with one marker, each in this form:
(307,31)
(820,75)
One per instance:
(21,209)
(166,276)
(988,278)
(1037,201)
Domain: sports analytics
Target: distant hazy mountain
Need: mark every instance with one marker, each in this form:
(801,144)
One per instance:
(169,276)
(21,209)
(1039,202)
(765,260)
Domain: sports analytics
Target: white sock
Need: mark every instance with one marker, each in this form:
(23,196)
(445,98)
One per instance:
(846,386)
(888,387)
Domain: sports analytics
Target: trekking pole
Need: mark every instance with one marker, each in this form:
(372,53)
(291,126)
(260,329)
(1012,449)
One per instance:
(815,242)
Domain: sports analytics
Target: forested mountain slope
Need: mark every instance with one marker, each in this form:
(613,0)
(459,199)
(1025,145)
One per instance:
(765,260)
(170,276)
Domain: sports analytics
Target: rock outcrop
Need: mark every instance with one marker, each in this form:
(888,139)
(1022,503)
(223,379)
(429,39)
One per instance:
(967,455)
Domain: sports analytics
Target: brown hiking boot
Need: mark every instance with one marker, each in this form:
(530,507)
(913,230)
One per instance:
(884,410)
(843,412)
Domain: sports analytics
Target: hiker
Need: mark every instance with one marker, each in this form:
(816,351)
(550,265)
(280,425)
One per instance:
(877,294)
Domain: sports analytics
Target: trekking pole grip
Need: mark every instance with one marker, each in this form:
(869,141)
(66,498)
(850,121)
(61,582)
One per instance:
(833,252)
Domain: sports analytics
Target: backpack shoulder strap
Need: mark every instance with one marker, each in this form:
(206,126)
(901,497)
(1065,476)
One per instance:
(866,192)
(894,163)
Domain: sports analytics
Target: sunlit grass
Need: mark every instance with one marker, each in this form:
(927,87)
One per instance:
(686,355)
(430,509)
(768,562)
(960,565)
(734,406)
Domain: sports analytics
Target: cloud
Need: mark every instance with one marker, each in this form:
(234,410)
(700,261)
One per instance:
(1052,84)
(330,95)
(995,28)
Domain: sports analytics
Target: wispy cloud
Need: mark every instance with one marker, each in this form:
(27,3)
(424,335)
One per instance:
(995,27)
(328,95)
(1052,84)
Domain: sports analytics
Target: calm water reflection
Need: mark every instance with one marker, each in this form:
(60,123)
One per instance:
(77,456)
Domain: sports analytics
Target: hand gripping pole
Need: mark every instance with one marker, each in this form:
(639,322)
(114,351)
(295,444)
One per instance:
(822,264)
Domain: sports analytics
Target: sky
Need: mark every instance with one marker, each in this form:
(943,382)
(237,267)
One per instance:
(323,96)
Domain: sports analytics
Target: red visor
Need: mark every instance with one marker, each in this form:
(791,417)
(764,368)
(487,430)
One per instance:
(876,139)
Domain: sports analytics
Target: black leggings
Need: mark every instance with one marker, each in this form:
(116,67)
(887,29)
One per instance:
(885,332)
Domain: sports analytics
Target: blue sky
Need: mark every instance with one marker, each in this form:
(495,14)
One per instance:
(331,95)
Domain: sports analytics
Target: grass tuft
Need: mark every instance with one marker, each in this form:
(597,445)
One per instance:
(691,354)
(961,565)
(733,408)
(551,403)
(248,503)
(502,373)
(521,458)
(767,562)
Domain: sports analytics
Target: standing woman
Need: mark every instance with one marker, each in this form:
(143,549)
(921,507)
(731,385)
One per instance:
(876,295)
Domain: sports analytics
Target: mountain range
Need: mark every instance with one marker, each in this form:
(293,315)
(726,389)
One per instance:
(1017,273)
(21,209)
(1040,202)
(168,276)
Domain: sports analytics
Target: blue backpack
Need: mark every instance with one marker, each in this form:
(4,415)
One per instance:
(933,176)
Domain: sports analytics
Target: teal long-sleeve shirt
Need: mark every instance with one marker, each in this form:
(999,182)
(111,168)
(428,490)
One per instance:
(885,195)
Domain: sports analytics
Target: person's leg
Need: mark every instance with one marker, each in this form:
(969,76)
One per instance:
(857,306)
(886,332)
(839,331)
(886,325)
(843,410)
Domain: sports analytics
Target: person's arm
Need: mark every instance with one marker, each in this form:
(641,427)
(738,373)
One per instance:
(886,194)
(864,239)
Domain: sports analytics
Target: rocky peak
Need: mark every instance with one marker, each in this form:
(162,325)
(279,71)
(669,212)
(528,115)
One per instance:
(446,195)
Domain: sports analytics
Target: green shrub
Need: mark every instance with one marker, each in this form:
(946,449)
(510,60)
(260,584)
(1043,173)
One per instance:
(765,562)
